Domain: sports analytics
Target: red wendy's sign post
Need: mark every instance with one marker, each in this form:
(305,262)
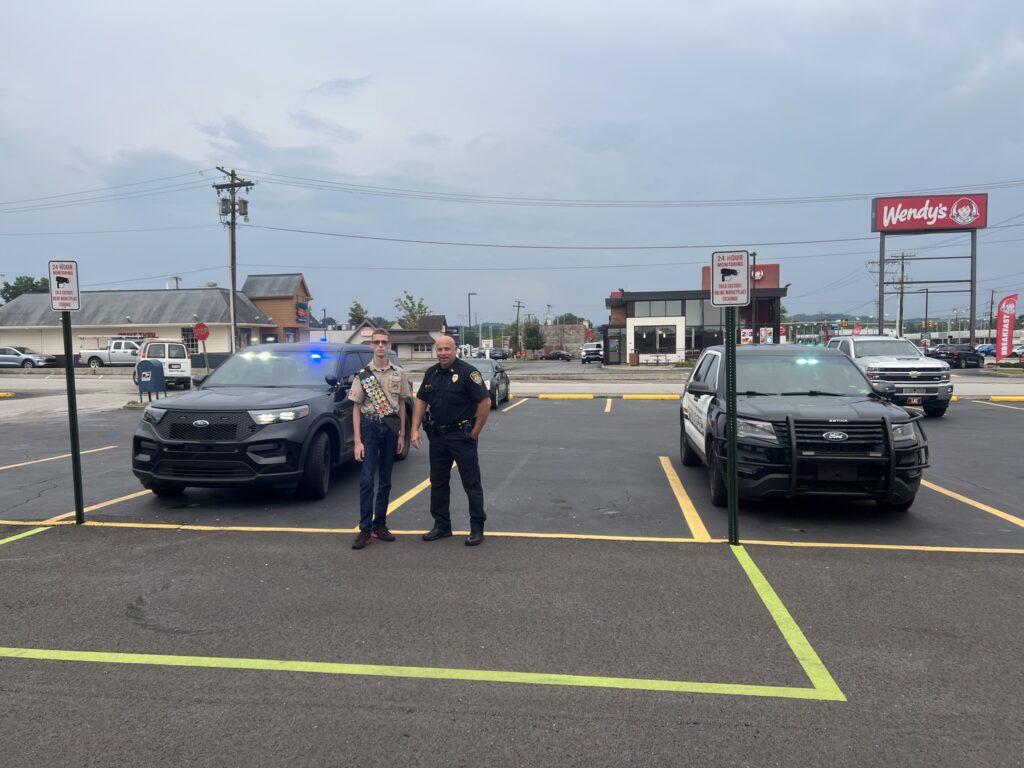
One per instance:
(915,215)
(1004,326)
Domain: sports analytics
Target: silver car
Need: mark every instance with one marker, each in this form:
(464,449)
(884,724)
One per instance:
(23,357)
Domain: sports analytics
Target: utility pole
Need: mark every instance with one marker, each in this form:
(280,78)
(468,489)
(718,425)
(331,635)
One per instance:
(991,308)
(926,313)
(177,282)
(903,278)
(230,207)
(519,334)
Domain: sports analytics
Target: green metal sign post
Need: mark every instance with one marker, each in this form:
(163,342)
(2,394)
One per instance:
(732,473)
(76,453)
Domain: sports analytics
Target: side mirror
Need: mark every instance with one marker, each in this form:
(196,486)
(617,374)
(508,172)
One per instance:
(332,381)
(884,388)
(698,388)
(135,353)
(198,380)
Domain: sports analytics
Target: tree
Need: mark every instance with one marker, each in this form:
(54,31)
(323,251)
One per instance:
(356,313)
(329,321)
(533,339)
(24,284)
(570,319)
(380,322)
(411,310)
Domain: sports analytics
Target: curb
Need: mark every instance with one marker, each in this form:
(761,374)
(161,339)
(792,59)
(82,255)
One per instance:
(669,396)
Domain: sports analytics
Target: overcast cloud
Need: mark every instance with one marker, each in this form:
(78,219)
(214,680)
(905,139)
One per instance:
(637,101)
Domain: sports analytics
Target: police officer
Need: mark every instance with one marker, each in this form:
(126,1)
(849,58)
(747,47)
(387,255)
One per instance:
(452,404)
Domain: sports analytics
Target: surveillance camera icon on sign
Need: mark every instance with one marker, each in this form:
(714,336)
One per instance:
(728,274)
(62,281)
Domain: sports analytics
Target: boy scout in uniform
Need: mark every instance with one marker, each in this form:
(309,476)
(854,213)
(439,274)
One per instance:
(378,422)
(452,404)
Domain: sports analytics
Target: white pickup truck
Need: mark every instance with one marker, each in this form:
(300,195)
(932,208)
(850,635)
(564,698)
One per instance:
(117,352)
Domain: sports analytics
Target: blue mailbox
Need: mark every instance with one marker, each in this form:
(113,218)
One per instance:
(151,376)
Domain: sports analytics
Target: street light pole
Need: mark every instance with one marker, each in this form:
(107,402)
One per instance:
(469,316)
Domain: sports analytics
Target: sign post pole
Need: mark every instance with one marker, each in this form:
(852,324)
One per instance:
(730,288)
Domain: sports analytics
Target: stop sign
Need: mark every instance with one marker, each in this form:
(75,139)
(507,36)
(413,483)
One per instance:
(202,331)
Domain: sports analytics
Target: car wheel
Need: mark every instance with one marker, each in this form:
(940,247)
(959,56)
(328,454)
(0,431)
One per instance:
(28,364)
(715,480)
(961,363)
(95,362)
(687,456)
(892,505)
(935,411)
(135,377)
(186,384)
(316,473)
(166,490)
(494,399)
(408,442)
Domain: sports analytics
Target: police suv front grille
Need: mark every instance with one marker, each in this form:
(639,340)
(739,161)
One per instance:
(225,426)
(910,376)
(862,438)
(197,470)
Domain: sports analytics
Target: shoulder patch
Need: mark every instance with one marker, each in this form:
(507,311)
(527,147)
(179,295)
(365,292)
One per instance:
(476,378)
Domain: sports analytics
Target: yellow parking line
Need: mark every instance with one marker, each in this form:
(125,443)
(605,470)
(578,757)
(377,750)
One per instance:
(976,504)
(693,521)
(22,535)
(1008,398)
(101,505)
(55,458)
(556,396)
(608,406)
(514,405)
(999,405)
(660,396)
(408,495)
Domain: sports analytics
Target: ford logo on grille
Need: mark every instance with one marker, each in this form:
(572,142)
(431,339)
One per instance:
(835,437)
(203,423)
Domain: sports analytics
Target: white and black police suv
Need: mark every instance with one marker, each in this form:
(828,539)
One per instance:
(808,423)
(272,414)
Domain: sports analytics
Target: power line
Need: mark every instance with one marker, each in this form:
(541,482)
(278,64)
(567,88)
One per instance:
(105,189)
(107,231)
(183,187)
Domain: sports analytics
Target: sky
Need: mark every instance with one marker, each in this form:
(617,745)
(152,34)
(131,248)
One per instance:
(652,133)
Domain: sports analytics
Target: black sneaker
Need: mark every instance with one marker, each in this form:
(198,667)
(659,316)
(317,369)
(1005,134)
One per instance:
(362,540)
(381,532)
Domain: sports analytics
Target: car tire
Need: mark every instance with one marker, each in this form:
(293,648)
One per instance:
(935,411)
(494,399)
(95,362)
(135,377)
(28,364)
(166,490)
(961,363)
(892,505)
(316,471)
(687,456)
(716,483)
(408,441)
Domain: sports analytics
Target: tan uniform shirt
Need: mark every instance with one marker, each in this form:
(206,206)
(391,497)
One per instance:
(391,379)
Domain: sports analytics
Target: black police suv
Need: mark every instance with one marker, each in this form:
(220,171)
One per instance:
(808,424)
(272,414)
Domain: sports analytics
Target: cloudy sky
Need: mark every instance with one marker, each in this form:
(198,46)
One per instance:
(476,124)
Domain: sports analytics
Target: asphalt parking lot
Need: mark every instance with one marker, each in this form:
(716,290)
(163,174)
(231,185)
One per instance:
(604,621)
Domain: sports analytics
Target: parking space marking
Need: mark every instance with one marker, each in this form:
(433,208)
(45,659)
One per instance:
(608,406)
(555,396)
(55,458)
(976,504)
(999,405)
(410,494)
(693,521)
(823,686)
(514,405)
(101,505)
(661,396)
(22,535)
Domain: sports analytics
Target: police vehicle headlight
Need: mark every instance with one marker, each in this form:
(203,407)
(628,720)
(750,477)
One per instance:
(904,433)
(748,429)
(152,414)
(279,415)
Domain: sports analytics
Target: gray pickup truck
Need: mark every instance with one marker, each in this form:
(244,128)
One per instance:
(117,352)
(919,380)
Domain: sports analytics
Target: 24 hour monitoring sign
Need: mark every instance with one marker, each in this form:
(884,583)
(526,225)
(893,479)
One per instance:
(730,278)
(64,286)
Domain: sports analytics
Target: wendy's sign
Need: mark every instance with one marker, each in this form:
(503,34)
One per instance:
(934,213)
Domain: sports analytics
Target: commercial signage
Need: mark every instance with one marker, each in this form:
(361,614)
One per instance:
(64,286)
(730,278)
(761,276)
(301,312)
(1004,326)
(934,213)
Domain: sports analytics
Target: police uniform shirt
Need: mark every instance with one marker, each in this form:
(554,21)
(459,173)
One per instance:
(392,382)
(452,395)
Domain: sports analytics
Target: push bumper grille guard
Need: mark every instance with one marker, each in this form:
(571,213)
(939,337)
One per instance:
(889,455)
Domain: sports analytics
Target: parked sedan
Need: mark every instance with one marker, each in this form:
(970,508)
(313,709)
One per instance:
(957,355)
(556,354)
(495,379)
(23,357)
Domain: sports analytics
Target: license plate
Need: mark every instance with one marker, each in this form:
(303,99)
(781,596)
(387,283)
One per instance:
(837,473)
(175,366)
(913,401)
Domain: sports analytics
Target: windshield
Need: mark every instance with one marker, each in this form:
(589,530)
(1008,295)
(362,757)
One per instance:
(285,368)
(26,351)
(484,366)
(776,375)
(891,347)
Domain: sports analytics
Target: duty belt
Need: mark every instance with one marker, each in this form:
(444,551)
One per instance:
(441,429)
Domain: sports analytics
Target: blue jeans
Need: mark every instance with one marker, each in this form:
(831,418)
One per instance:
(380,444)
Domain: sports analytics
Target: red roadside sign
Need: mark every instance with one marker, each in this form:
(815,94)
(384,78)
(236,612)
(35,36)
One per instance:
(201,331)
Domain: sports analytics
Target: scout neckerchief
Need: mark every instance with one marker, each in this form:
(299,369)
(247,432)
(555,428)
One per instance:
(378,399)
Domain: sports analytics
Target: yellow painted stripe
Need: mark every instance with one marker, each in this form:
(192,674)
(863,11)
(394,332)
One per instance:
(608,406)
(408,495)
(976,504)
(798,643)
(514,405)
(422,673)
(693,521)
(22,535)
(55,458)
(101,505)
(564,397)
(1007,398)
(6,394)
(998,405)
(662,396)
